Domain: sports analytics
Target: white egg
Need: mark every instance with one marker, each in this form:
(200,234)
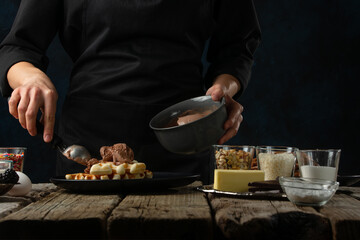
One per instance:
(23,186)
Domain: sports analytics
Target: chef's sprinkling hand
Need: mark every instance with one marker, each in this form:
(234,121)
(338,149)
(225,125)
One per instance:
(33,91)
(227,86)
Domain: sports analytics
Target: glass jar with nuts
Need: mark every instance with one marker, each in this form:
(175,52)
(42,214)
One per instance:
(233,156)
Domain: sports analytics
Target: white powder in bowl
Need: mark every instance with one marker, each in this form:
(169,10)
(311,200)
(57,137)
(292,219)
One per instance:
(311,192)
(310,197)
(275,165)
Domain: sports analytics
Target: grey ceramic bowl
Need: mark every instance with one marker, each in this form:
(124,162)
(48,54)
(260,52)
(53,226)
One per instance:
(195,136)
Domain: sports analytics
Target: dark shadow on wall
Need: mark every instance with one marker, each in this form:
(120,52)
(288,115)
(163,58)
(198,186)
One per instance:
(303,90)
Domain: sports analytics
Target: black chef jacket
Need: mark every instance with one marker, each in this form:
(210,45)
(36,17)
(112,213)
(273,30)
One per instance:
(132,59)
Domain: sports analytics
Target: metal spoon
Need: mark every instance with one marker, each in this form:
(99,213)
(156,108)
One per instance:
(75,153)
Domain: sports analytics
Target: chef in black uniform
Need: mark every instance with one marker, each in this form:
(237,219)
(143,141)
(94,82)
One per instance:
(131,59)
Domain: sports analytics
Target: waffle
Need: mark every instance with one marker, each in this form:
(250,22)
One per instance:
(111,171)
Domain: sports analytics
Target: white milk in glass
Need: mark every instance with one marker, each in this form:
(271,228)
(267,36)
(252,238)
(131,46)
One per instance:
(321,172)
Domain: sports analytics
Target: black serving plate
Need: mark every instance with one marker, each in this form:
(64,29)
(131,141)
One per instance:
(160,181)
(348,180)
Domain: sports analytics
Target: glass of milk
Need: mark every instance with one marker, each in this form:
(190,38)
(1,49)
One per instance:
(319,163)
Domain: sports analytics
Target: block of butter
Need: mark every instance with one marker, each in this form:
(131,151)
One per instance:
(236,180)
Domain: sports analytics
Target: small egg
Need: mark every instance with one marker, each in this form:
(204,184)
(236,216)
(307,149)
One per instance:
(23,186)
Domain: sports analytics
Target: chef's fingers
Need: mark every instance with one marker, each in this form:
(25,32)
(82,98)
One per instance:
(231,132)
(49,114)
(13,102)
(234,110)
(216,92)
(42,115)
(232,124)
(22,108)
(36,100)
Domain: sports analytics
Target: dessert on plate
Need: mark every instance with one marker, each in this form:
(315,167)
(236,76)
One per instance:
(117,163)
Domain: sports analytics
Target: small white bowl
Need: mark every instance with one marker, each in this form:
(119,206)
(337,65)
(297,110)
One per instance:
(308,191)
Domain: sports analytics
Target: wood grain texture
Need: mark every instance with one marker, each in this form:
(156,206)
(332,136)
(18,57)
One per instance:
(41,190)
(10,204)
(174,214)
(7,208)
(61,215)
(351,191)
(182,214)
(258,219)
(344,214)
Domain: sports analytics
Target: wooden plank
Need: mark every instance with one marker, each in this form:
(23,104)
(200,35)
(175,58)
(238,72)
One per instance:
(181,214)
(41,190)
(7,208)
(344,214)
(261,219)
(9,204)
(351,191)
(297,222)
(61,215)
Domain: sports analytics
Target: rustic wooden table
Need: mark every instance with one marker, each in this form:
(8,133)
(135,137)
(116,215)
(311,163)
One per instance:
(49,212)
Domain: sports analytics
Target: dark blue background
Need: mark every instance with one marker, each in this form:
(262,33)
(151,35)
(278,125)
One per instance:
(303,90)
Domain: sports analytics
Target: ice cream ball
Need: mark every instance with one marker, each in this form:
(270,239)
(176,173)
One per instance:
(23,186)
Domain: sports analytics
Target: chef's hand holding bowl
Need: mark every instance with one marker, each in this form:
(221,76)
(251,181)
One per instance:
(220,121)
(234,110)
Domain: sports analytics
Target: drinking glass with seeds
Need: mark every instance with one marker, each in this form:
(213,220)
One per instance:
(233,156)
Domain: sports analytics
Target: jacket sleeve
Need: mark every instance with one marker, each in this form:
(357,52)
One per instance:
(235,39)
(34,27)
